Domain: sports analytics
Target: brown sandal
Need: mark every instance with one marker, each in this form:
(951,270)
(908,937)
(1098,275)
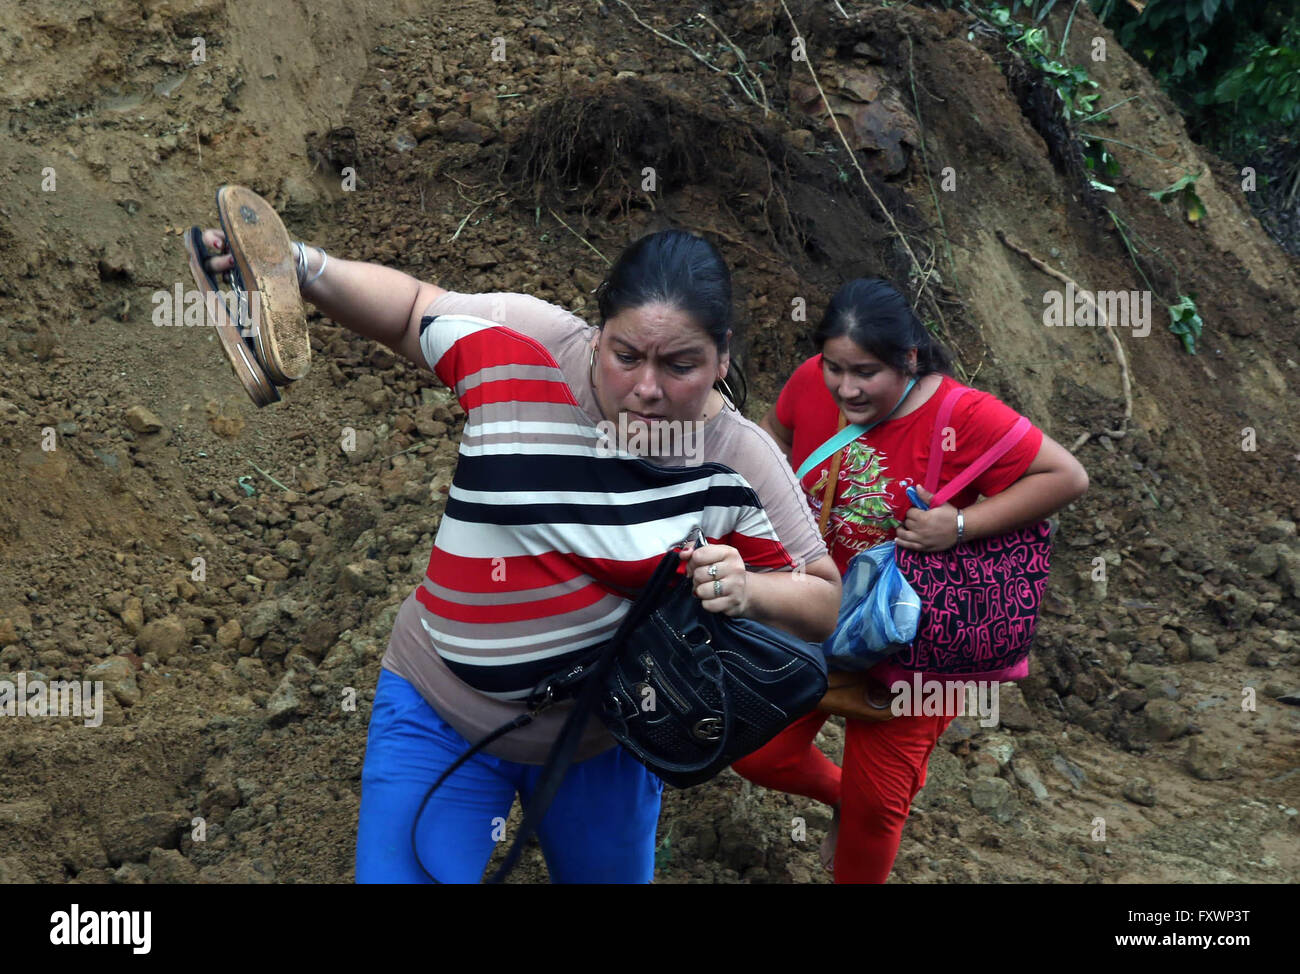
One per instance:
(265,271)
(238,349)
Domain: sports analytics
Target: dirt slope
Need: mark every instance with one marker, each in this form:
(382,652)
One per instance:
(228,690)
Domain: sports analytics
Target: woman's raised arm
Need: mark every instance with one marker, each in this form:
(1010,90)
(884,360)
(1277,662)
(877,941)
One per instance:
(372,300)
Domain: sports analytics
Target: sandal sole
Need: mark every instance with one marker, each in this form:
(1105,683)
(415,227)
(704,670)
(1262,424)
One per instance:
(264,255)
(250,374)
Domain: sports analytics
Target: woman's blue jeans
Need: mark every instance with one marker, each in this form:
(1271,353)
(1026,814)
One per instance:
(599,829)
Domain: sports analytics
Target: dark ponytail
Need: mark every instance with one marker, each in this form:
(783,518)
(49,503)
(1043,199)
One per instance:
(681,270)
(879,321)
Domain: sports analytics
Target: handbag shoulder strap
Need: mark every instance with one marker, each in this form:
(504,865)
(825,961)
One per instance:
(989,457)
(828,496)
(566,744)
(836,443)
(845,436)
(936,438)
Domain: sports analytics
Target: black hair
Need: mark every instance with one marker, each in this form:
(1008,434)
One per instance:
(879,321)
(686,272)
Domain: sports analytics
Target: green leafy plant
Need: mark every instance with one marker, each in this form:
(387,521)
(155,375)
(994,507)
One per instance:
(1184,188)
(1078,93)
(1232,66)
(1186,321)
(1185,318)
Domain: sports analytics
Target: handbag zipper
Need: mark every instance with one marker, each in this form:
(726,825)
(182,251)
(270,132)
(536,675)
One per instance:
(650,669)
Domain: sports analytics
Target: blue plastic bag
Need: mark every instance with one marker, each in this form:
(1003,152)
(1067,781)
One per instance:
(879,612)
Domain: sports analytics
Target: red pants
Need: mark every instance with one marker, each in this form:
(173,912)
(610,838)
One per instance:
(884,768)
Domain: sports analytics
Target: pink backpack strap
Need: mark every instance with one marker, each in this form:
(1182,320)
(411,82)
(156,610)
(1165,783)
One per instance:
(991,456)
(936,440)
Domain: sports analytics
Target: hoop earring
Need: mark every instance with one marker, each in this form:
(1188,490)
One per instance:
(728,397)
(591,367)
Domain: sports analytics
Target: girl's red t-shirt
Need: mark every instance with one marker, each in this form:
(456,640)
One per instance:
(870,500)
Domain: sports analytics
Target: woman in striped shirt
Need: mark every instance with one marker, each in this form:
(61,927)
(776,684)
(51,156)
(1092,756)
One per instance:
(549,529)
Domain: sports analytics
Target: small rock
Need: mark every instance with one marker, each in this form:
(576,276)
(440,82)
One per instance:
(1013,712)
(262,618)
(288,550)
(1069,770)
(168,866)
(118,676)
(1140,792)
(1262,560)
(133,615)
(428,426)
(8,631)
(1026,773)
(1144,674)
(1131,700)
(130,874)
(1202,648)
(983,765)
(365,576)
(1288,571)
(229,634)
(1165,720)
(270,569)
(485,109)
(142,420)
(999,747)
(422,126)
(128,837)
(362,448)
(166,637)
(284,703)
(456,128)
(1209,762)
(801,140)
(994,797)
(1280,530)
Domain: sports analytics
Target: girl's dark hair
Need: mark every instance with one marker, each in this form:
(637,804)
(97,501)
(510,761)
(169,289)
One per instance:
(879,320)
(684,271)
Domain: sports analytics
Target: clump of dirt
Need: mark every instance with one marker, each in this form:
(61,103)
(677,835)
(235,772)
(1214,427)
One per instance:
(232,574)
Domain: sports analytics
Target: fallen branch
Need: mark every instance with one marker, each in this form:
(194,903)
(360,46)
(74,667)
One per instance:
(1119,348)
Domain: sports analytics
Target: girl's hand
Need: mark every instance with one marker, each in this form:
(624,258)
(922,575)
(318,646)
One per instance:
(730,573)
(857,696)
(932,530)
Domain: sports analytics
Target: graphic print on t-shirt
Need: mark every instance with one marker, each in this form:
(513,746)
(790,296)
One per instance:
(860,511)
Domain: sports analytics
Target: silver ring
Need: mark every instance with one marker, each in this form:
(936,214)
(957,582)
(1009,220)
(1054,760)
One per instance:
(717,588)
(713,571)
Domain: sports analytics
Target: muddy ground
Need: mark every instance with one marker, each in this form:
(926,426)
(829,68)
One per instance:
(1158,701)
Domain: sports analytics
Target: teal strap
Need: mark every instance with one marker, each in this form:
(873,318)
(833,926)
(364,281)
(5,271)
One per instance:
(844,437)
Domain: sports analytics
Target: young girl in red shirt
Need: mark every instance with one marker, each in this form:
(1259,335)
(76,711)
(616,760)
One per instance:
(871,345)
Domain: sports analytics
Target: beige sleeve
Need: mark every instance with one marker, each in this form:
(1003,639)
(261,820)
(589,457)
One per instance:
(548,323)
(758,459)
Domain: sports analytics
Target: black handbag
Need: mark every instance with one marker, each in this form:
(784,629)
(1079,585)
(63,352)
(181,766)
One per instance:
(686,691)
